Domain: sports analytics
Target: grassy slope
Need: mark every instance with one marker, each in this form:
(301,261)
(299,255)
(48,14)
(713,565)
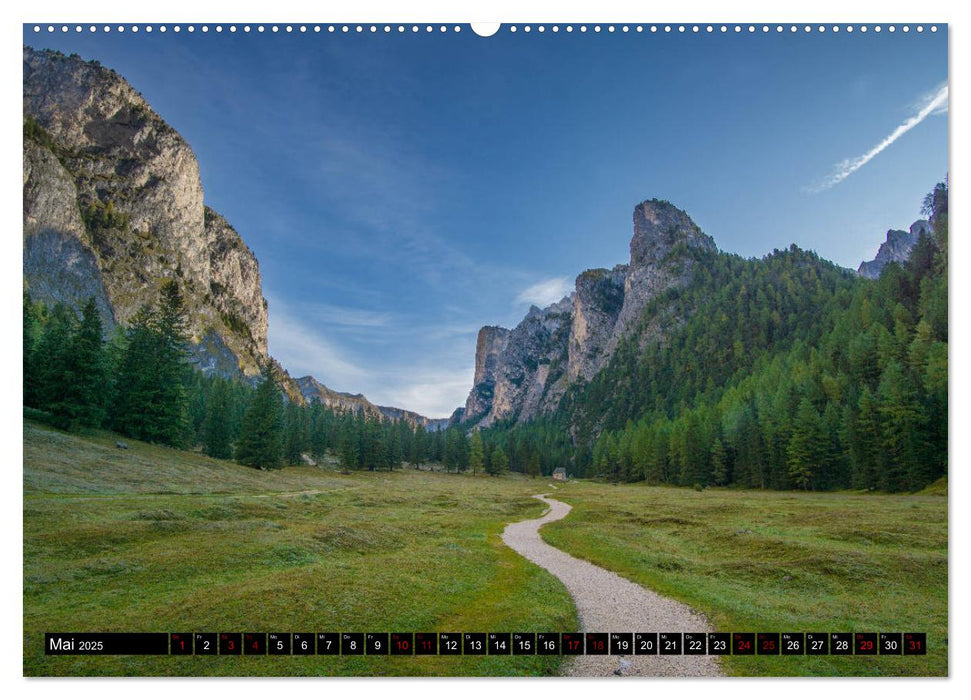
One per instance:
(778,562)
(151,539)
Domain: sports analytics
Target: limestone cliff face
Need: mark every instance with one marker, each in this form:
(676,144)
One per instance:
(662,232)
(524,373)
(519,365)
(59,262)
(113,206)
(597,304)
(488,348)
(896,248)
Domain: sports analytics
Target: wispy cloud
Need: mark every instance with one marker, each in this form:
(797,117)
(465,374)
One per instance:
(432,379)
(332,314)
(546,292)
(304,349)
(933,103)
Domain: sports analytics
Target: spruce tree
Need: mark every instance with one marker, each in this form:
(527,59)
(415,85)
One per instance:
(151,402)
(867,443)
(32,334)
(85,396)
(902,432)
(373,445)
(350,444)
(171,411)
(451,454)
(135,386)
(297,440)
(532,465)
(52,360)
(417,455)
(500,462)
(260,442)
(719,463)
(803,451)
(319,430)
(217,430)
(476,452)
(393,450)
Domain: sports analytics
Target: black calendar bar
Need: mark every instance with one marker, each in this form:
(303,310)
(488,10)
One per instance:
(105,643)
(484,643)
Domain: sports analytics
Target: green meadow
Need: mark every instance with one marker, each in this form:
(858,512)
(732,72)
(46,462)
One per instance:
(154,539)
(769,561)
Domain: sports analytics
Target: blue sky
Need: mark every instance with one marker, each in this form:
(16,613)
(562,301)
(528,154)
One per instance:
(400,191)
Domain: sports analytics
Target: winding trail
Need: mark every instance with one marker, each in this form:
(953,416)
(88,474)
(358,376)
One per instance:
(608,603)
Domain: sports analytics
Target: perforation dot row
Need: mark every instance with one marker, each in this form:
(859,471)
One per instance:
(289,29)
(414,28)
(723,28)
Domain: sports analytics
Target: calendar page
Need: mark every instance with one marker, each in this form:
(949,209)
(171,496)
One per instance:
(586,349)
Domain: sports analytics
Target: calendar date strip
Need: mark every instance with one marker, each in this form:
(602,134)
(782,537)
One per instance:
(485,643)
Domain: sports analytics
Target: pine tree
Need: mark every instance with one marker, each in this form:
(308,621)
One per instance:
(170,419)
(374,448)
(85,396)
(867,442)
(461,447)
(320,438)
(297,440)
(52,360)
(476,452)
(394,446)
(452,455)
(151,402)
(719,463)
(32,334)
(499,461)
(135,385)
(217,426)
(902,432)
(350,444)
(418,442)
(532,465)
(260,441)
(803,450)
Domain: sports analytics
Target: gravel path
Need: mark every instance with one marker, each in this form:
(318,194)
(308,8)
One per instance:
(608,603)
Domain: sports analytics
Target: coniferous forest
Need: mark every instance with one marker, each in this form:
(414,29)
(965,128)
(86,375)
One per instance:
(785,372)
(139,383)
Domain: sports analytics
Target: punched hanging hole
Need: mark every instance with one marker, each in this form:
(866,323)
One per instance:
(485,29)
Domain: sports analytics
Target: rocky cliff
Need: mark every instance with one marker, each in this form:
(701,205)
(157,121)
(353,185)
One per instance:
(524,373)
(896,248)
(113,207)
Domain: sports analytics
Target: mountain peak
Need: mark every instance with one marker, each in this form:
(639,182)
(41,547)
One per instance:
(525,372)
(658,227)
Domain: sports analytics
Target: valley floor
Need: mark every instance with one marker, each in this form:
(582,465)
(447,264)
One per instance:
(152,539)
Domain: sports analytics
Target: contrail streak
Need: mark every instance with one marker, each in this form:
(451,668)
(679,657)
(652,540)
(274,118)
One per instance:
(849,166)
